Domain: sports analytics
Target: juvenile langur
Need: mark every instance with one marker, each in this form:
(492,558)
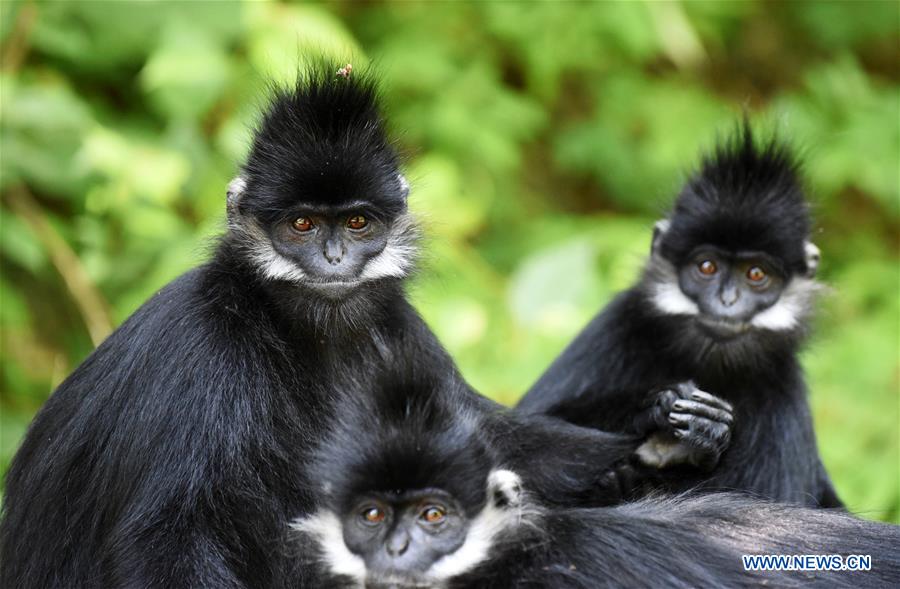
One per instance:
(169,457)
(416,496)
(722,308)
(410,492)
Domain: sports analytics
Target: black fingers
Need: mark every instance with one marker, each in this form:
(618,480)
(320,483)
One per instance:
(703,397)
(619,483)
(706,410)
(705,438)
(701,422)
(655,413)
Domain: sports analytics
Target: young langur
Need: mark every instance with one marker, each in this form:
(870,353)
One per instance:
(722,308)
(413,494)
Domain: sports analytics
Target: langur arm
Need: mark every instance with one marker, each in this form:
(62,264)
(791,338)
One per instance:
(563,464)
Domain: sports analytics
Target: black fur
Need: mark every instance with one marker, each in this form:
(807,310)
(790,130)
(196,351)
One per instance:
(409,436)
(686,542)
(323,142)
(744,197)
(410,431)
(173,456)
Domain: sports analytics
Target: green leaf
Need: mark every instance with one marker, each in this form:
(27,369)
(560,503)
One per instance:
(41,126)
(186,74)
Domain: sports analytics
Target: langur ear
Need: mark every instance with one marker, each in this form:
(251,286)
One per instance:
(404,185)
(233,195)
(504,489)
(659,230)
(813,256)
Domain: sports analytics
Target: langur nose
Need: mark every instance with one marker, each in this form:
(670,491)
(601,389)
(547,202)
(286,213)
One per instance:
(729,296)
(333,252)
(397,544)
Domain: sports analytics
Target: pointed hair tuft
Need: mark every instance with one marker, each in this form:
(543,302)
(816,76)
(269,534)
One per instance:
(746,196)
(322,141)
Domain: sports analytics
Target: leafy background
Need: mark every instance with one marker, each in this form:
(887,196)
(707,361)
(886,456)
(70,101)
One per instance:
(543,140)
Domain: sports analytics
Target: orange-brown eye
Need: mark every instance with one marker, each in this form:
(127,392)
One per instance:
(302,224)
(434,515)
(373,515)
(357,222)
(756,274)
(707,267)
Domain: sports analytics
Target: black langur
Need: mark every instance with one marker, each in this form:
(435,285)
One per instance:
(169,457)
(414,494)
(722,307)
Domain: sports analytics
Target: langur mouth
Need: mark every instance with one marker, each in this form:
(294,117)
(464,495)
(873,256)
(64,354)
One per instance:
(333,288)
(396,582)
(721,328)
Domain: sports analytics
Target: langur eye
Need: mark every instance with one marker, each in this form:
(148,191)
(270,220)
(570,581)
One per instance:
(434,514)
(707,267)
(302,224)
(756,274)
(357,222)
(373,515)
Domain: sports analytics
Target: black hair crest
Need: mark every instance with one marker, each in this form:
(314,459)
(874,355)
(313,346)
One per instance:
(746,196)
(402,437)
(322,142)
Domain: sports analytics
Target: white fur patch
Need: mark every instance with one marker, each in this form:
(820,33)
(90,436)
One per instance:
(659,231)
(668,298)
(664,292)
(262,253)
(660,452)
(398,255)
(813,257)
(791,307)
(484,529)
(325,528)
(236,187)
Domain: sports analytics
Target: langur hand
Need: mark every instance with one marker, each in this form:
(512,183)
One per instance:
(683,425)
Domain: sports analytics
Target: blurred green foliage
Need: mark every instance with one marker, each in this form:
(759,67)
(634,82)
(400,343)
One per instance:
(543,140)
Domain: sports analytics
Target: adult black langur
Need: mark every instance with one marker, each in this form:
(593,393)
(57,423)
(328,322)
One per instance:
(169,457)
(414,493)
(722,307)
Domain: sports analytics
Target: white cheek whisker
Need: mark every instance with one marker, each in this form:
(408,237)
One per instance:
(664,291)
(397,258)
(258,247)
(325,528)
(669,299)
(791,309)
(485,530)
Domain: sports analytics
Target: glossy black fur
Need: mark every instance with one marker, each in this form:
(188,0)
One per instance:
(408,431)
(419,437)
(686,542)
(322,142)
(743,197)
(411,431)
(174,455)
